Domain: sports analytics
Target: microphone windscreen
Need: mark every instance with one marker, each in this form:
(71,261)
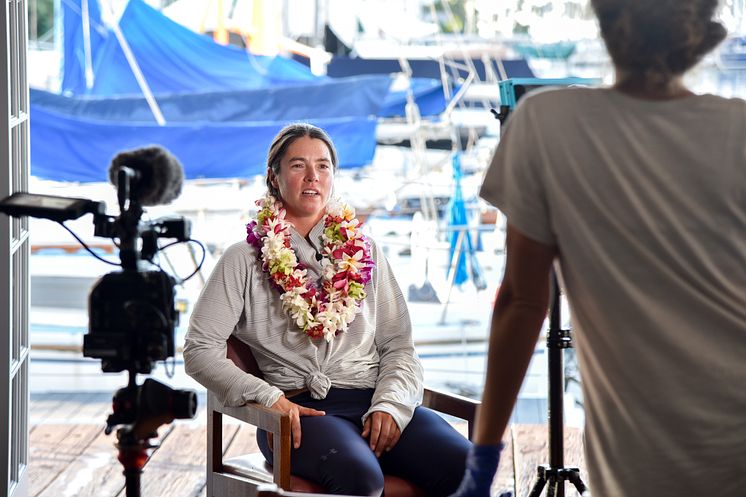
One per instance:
(160,175)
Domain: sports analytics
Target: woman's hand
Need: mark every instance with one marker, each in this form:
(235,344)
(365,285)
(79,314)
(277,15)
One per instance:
(295,411)
(382,431)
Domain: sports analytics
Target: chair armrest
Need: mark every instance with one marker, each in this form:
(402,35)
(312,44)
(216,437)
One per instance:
(452,404)
(267,419)
(255,414)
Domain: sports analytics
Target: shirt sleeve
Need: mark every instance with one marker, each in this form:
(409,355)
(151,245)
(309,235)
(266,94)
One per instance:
(513,181)
(399,385)
(215,315)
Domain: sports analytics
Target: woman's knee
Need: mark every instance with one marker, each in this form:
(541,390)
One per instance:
(352,475)
(430,454)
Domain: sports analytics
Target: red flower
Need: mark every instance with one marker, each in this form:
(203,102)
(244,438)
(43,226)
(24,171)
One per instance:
(310,293)
(315,332)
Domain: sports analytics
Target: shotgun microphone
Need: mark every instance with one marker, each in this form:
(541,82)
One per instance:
(156,176)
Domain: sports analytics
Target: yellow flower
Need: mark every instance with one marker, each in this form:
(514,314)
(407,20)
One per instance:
(351,263)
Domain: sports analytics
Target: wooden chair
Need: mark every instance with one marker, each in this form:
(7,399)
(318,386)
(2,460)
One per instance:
(241,476)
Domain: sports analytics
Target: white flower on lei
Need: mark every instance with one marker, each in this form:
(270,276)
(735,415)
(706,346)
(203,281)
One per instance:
(335,207)
(328,270)
(349,227)
(297,307)
(351,263)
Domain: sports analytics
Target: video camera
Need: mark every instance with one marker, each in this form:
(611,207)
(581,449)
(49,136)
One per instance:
(132,312)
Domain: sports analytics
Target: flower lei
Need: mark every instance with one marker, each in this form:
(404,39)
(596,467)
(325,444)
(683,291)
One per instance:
(327,310)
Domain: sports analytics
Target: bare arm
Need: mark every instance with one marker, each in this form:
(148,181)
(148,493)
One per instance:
(519,312)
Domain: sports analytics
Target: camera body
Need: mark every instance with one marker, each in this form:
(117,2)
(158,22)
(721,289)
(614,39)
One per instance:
(132,318)
(132,313)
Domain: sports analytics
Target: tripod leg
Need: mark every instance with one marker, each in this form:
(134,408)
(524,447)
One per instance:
(538,486)
(575,480)
(132,482)
(554,488)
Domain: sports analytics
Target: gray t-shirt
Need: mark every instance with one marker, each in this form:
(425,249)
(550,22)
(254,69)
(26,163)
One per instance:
(646,202)
(375,352)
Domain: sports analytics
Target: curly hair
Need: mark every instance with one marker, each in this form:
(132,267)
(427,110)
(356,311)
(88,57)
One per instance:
(658,39)
(282,141)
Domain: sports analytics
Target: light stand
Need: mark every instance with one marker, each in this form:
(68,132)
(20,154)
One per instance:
(555,473)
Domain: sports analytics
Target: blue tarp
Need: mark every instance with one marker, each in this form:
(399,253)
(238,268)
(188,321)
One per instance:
(77,149)
(459,220)
(427,93)
(216,135)
(222,105)
(74,56)
(360,96)
(175,60)
(172,58)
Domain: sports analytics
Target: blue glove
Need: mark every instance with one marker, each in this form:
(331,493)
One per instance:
(481,466)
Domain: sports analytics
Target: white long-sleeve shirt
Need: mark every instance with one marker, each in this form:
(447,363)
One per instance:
(375,352)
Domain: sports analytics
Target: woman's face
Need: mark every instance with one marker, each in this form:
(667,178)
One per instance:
(306,178)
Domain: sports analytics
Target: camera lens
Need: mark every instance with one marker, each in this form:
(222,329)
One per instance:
(157,399)
(184,404)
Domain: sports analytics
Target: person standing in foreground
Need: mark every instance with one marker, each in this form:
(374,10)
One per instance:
(336,355)
(639,192)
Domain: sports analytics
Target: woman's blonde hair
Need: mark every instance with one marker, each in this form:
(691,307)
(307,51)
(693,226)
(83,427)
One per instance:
(658,39)
(282,141)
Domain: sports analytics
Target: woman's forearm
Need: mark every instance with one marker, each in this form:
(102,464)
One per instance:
(513,337)
(519,312)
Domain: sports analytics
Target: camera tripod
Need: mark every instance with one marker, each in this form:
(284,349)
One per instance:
(555,473)
(140,410)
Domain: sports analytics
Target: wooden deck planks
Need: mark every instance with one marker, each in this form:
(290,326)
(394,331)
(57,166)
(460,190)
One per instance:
(530,449)
(73,408)
(95,472)
(241,441)
(78,459)
(178,466)
(53,448)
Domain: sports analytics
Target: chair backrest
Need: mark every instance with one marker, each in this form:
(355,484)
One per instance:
(240,353)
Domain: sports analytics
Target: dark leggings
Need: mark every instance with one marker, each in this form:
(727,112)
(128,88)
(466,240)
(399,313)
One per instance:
(430,453)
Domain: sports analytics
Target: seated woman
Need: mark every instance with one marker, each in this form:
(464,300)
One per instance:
(317,303)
